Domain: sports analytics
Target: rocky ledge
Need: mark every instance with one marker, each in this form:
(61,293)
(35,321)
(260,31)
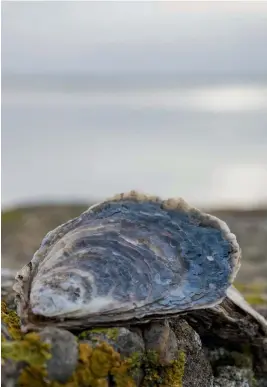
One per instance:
(175,353)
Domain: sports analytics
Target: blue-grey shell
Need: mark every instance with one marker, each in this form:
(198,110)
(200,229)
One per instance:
(151,257)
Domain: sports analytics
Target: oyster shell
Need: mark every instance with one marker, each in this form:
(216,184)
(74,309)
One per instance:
(129,259)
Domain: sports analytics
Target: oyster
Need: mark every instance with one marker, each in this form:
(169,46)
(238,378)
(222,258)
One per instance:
(130,259)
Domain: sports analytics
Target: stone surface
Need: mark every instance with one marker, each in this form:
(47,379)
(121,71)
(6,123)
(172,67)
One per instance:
(64,350)
(198,371)
(260,355)
(231,376)
(159,337)
(262,382)
(4,331)
(221,356)
(7,292)
(123,340)
(10,372)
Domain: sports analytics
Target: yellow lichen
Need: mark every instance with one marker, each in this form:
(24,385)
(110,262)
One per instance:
(95,364)
(152,369)
(32,351)
(163,376)
(12,321)
(110,333)
(174,373)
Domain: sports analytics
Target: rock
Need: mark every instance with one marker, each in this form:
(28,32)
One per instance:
(7,292)
(5,334)
(262,309)
(260,358)
(232,368)
(64,351)
(221,357)
(262,382)
(124,341)
(231,376)
(197,370)
(10,372)
(159,337)
(51,354)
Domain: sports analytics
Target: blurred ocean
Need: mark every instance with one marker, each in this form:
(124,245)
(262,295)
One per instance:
(68,138)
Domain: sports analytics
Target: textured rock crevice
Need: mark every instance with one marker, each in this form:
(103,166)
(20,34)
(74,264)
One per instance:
(157,354)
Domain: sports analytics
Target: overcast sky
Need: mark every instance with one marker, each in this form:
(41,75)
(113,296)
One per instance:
(132,37)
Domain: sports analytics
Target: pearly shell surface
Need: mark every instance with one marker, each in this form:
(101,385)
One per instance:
(132,258)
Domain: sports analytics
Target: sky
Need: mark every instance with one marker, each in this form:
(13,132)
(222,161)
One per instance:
(207,141)
(117,37)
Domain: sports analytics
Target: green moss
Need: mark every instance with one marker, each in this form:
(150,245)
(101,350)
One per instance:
(174,374)
(152,369)
(163,376)
(110,333)
(12,321)
(32,351)
(93,368)
(95,364)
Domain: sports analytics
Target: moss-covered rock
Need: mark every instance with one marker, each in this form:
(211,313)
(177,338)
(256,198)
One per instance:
(163,376)
(47,359)
(11,322)
(120,357)
(197,368)
(159,337)
(231,376)
(94,365)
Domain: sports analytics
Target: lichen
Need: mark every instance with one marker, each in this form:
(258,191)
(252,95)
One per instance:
(12,321)
(174,373)
(152,369)
(95,365)
(134,362)
(34,353)
(163,376)
(110,333)
(30,350)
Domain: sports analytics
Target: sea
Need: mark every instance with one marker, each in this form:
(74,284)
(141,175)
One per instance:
(84,137)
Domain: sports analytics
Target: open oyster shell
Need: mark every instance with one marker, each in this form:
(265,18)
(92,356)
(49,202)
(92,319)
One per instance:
(129,259)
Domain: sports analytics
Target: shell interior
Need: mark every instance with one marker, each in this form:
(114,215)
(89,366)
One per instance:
(132,257)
